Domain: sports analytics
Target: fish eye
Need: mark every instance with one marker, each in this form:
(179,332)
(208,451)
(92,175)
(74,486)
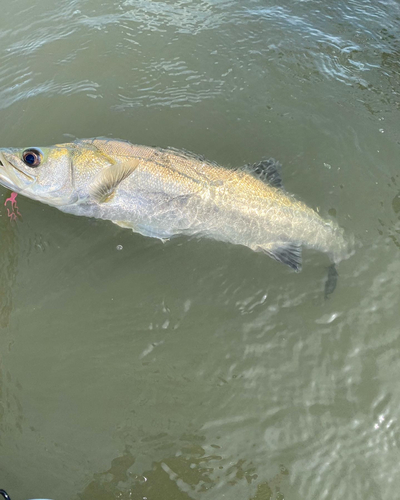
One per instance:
(32,157)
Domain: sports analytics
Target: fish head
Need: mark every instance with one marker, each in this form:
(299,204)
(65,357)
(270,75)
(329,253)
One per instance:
(58,175)
(43,174)
(52,175)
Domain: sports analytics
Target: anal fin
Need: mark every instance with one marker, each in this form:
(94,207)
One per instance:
(105,182)
(284,252)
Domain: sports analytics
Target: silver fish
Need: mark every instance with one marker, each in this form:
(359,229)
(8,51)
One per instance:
(164,192)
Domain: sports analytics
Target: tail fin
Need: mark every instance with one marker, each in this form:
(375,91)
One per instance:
(331,281)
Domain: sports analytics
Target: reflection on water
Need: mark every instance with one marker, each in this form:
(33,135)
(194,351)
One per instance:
(175,478)
(193,369)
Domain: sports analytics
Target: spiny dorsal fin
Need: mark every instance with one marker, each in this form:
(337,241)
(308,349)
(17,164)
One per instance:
(285,252)
(109,178)
(267,171)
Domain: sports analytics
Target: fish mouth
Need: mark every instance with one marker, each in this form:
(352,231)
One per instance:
(8,177)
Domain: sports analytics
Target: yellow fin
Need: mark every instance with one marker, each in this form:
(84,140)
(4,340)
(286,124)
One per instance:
(103,185)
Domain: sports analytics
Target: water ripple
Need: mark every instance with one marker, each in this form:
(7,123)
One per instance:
(251,356)
(303,44)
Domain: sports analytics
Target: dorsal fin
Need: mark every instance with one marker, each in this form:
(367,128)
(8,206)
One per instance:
(109,178)
(267,171)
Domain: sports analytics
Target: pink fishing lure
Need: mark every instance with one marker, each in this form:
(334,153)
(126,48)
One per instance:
(13,211)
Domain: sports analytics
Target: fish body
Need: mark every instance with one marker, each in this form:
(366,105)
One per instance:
(164,193)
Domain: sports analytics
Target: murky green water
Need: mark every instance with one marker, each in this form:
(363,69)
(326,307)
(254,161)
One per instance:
(196,369)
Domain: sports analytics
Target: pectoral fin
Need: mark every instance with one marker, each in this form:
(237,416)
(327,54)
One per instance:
(285,252)
(104,184)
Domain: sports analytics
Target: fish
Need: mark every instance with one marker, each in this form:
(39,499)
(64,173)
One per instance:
(162,193)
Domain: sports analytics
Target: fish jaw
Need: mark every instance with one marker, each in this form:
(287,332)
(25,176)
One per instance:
(10,176)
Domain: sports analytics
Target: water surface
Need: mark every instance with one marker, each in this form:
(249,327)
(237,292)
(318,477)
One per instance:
(196,369)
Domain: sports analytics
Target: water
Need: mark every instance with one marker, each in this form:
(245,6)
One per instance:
(133,369)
